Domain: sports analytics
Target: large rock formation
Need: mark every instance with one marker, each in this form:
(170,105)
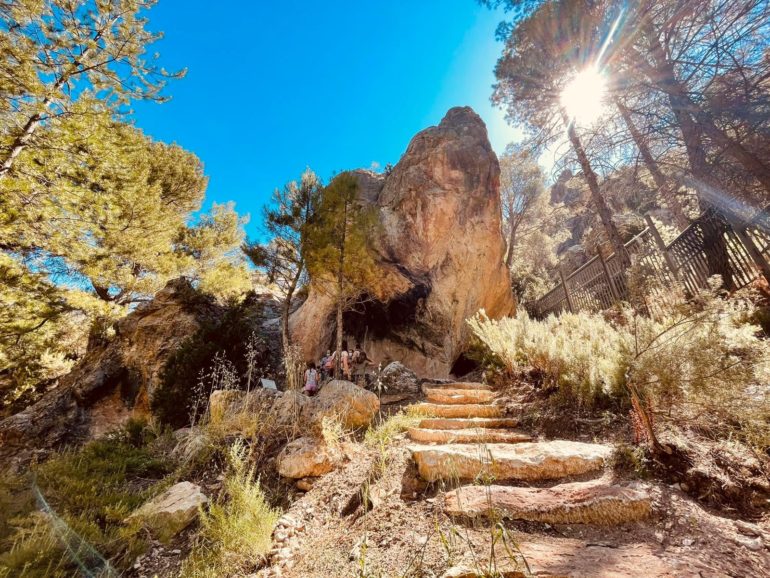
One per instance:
(440,245)
(115,378)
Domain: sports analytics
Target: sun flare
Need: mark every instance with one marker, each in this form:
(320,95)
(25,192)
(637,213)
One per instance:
(583,97)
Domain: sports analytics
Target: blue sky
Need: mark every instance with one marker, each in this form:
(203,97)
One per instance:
(273,87)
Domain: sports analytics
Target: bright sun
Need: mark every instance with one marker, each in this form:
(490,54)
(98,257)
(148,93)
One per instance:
(583,97)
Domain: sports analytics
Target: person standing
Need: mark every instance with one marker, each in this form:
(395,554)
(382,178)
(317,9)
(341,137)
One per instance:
(311,379)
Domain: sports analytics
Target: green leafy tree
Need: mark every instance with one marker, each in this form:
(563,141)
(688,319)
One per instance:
(338,254)
(286,221)
(53,52)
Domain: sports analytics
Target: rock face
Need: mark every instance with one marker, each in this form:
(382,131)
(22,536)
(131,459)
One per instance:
(440,247)
(172,511)
(115,378)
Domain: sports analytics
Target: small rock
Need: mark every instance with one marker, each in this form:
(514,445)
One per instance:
(305,484)
(660,536)
(169,513)
(176,551)
(746,528)
(688,542)
(753,544)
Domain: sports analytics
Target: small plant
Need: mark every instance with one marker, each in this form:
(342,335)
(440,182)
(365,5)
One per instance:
(236,533)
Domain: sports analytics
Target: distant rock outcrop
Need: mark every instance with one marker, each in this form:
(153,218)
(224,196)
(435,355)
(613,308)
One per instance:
(441,245)
(115,378)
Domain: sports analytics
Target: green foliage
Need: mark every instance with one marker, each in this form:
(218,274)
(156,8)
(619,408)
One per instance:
(236,533)
(183,392)
(580,354)
(94,215)
(82,496)
(338,255)
(698,360)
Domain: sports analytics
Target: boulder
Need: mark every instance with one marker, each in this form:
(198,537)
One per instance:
(352,405)
(439,250)
(171,512)
(305,457)
(397,378)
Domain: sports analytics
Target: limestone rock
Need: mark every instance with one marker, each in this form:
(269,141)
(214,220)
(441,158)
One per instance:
(352,405)
(466,436)
(524,461)
(172,511)
(115,378)
(458,396)
(464,423)
(457,410)
(441,234)
(305,457)
(454,385)
(397,378)
(593,502)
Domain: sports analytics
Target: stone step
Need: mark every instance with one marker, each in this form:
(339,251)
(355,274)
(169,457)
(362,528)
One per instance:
(525,461)
(456,385)
(458,396)
(592,502)
(571,558)
(465,423)
(467,436)
(460,410)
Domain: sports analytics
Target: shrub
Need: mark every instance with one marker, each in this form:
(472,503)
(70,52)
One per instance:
(580,354)
(83,497)
(232,339)
(236,534)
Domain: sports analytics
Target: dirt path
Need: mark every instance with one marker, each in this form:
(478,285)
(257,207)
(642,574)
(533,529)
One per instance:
(464,493)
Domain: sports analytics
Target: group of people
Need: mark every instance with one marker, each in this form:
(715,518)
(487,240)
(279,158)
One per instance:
(353,363)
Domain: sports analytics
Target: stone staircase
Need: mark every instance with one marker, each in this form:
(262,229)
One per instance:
(489,467)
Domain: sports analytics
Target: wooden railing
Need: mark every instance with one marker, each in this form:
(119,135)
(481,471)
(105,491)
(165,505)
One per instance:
(711,245)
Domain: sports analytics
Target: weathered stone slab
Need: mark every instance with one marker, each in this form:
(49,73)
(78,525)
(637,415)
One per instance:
(461,410)
(456,385)
(467,436)
(458,396)
(525,461)
(593,502)
(474,422)
(172,511)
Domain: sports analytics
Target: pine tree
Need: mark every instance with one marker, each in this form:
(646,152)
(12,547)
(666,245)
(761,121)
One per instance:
(339,258)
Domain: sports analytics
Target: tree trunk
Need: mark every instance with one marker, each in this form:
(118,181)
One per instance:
(285,337)
(665,187)
(709,188)
(511,240)
(341,292)
(601,206)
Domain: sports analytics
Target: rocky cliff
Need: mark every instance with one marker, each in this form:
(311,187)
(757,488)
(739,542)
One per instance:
(441,245)
(115,378)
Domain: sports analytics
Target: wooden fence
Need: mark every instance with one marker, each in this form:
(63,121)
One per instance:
(711,245)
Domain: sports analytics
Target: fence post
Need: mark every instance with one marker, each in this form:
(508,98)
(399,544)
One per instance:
(566,289)
(661,246)
(753,250)
(610,282)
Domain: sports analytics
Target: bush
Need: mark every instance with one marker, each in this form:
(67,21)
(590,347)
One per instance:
(695,361)
(83,497)
(233,339)
(580,354)
(236,534)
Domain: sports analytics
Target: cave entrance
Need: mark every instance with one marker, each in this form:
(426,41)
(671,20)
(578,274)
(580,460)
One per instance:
(464,365)
(370,318)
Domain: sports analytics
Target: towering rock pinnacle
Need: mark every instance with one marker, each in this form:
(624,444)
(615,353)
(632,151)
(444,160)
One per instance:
(440,244)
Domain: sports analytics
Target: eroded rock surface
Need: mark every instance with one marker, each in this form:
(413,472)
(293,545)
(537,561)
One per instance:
(305,457)
(440,247)
(523,461)
(592,502)
(172,511)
